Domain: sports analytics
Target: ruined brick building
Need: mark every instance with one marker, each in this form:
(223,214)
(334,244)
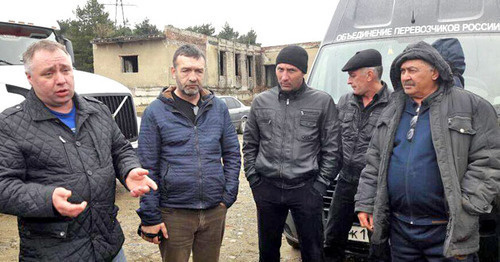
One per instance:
(143,63)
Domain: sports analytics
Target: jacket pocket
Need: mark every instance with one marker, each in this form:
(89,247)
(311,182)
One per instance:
(461,134)
(466,226)
(348,117)
(112,213)
(266,128)
(370,126)
(104,214)
(373,118)
(308,128)
(461,124)
(176,139)
(264,117)
(56,230)
(164,181)
(347,124)
(66,153)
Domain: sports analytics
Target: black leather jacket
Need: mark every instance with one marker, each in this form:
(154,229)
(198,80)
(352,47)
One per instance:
(357,125)
(291,139)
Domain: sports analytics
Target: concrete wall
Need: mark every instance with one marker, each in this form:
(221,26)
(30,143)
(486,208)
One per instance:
(153,62)
(271,52)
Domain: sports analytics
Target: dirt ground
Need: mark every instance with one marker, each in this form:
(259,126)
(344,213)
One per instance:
(240,238)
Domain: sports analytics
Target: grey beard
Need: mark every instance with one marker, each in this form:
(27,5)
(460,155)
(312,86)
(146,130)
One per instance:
(189,94)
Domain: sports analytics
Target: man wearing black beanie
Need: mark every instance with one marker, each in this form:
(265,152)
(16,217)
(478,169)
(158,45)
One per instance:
(291,150)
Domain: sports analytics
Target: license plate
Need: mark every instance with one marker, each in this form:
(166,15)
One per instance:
(359,234)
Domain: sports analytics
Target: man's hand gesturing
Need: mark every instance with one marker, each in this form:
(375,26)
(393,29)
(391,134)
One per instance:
(63,206)
(139,183)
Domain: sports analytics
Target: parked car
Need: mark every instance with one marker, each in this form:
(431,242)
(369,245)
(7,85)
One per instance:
(238,112)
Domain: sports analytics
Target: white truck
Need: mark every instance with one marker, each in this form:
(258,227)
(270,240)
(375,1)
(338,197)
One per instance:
(15,37)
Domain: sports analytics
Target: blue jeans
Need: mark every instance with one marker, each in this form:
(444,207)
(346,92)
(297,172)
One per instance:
(273,204)
(420,243)
(120,257)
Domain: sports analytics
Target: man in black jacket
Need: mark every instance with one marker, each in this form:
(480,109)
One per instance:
(60,155)
(358,113)
(291,150)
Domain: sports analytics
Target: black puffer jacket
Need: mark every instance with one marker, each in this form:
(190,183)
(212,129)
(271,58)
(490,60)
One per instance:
(292,139)
(357,129)
(37,154)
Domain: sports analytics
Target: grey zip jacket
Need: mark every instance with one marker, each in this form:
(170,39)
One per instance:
(466,137)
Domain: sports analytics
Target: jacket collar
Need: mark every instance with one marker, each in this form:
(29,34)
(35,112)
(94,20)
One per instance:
(40,112)
(382,96)
(434,96)
(292,94)
(167,97)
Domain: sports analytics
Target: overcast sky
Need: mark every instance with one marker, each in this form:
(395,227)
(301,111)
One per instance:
(276,22)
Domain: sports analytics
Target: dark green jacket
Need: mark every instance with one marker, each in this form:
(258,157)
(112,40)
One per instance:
(465,135)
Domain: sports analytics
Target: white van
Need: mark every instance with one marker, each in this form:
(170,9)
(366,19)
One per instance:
(16,37)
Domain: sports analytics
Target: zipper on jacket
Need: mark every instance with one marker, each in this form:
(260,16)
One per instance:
(407,186)
(201,111)
(197,144)
(283,139)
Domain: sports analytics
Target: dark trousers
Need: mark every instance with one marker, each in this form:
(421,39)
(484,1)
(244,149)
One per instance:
(420,243)
(305,204)
(340,218)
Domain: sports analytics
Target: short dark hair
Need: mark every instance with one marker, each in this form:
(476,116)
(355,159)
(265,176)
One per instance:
(188,50)
(46,45)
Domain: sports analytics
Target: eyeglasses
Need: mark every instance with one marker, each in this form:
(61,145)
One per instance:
(413,124)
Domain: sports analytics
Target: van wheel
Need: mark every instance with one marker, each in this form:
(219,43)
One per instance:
(292,243)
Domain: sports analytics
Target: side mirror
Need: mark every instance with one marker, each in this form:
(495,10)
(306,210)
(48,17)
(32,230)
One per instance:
(69,48)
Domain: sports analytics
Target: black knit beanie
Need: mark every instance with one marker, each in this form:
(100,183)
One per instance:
(293,55)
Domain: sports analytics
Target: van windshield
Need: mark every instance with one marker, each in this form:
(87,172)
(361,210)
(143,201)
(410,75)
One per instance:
(482,57)
(15,39)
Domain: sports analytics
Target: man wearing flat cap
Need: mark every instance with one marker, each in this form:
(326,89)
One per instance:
(432,165)
(291,148)
(358,113)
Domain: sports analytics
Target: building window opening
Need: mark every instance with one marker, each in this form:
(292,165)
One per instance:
(271,79)
(222,62)
(249,66)
(130,64)
(237,64)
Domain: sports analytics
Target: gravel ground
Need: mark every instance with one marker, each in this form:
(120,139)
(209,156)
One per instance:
(240,238)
